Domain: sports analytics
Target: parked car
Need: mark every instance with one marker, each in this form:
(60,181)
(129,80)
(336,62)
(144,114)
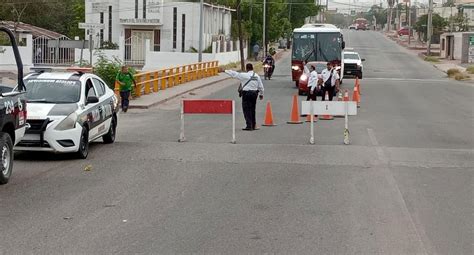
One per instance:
(353,26)
(353,64)
(304,78)
(12,111)
(404,31)
(68,110)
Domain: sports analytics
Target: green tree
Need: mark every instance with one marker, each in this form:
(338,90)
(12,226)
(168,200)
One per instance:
(439,23)
(59,16)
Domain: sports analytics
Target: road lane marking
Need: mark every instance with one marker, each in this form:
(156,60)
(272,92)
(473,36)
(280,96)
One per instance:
(384,166)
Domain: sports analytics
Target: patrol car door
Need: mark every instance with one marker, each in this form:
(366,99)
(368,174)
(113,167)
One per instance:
(92,109)
(105,106)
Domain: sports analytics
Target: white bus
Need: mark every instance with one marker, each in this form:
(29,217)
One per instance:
(316,43)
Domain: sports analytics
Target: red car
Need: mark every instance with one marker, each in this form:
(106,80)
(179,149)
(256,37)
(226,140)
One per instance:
(304,78)
(403,31)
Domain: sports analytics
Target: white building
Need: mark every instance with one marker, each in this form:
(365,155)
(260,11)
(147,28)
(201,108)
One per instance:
(168,25)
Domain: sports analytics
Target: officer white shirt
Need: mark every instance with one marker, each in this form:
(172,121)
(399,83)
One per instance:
(313,80)
(255,83)
(327,73)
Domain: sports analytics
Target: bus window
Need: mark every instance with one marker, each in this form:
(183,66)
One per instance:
(329,47)
(303,45)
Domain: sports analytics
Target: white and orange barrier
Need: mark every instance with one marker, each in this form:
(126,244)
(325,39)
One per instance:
(344,108)
(207,106)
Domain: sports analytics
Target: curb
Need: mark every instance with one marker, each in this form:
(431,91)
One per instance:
(144,107)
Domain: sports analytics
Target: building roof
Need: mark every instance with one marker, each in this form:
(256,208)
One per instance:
(30,29)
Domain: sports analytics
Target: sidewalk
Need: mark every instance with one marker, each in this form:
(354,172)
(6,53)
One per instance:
(156,98)
(420,49)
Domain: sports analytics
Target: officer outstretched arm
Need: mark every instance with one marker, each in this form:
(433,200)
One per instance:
(235,74)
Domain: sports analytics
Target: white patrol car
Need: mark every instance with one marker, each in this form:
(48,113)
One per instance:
(66,111)
(353,64)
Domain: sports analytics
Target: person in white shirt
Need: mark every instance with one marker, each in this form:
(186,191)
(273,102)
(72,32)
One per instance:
(313,86)
(330,81)
(252,87)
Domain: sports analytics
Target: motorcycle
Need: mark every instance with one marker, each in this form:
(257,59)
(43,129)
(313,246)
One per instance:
(267,69)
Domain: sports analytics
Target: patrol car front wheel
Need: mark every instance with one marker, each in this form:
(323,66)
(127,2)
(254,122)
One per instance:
(84,144)
(6,154)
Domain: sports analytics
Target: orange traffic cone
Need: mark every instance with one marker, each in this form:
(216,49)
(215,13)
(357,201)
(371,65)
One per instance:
(356,96)
(295,115)
(358,84)
(268,116)
(346,95)
(326,116)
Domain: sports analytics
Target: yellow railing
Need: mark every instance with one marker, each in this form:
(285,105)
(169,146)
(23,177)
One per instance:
(154,81)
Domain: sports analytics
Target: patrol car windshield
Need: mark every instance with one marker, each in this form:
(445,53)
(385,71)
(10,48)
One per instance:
(53,91)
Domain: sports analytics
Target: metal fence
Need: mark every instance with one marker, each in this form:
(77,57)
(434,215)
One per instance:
(44,54)
(135,51)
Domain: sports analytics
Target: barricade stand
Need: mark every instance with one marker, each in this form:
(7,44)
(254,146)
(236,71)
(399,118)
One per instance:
(207,106)
(345,108)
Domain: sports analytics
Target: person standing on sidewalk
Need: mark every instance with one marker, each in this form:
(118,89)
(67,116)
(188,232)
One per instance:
(252,87)
(256,50)
(330,81)
(125,79)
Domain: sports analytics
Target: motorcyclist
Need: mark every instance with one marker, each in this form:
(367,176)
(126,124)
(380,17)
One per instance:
(269,60)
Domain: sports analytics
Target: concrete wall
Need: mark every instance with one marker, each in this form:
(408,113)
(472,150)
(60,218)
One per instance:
(160,60)
(461,45)
(7,58)
(110,54)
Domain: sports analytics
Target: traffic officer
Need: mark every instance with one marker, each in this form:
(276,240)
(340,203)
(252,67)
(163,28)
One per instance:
(313,84)
(330,81)
(252,87)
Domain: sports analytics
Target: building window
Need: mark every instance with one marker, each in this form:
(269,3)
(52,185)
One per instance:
(156,44)
(136,9)
(144,9)
(110,23)
(183,30)
(175,25)
(101,39)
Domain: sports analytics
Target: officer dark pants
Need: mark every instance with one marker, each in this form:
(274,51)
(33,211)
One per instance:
(249,101)
(330,91)
(310,96)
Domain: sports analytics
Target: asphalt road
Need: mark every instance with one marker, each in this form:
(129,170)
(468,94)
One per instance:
(404,185)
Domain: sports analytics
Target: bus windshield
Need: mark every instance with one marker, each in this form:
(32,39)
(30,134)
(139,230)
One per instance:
(317,46)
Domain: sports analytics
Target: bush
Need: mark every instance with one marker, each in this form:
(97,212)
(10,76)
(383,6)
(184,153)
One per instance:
(107,45)
(470,69)
(453,71)
(108,69)
(460,77)
(431,59)
(272,51)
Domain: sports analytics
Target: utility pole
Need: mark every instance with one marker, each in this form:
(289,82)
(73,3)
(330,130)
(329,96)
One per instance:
(397,19)
(200,30)
(241,46)
(264,27)
(409,22)
(429,29)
